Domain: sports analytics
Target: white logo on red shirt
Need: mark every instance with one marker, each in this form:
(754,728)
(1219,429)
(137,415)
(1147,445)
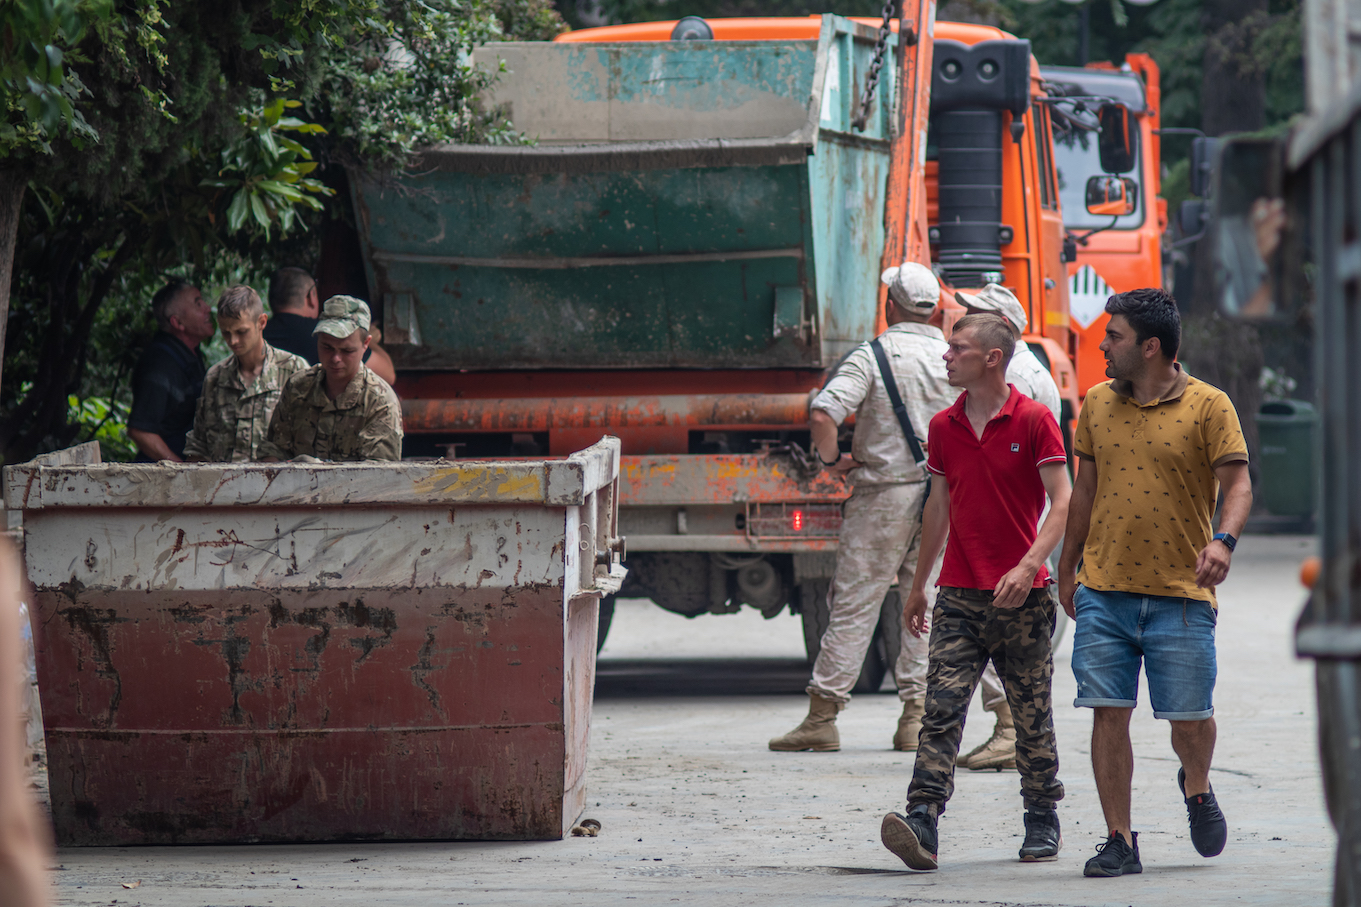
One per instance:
(1015,448)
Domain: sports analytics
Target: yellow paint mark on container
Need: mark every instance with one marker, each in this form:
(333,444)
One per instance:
(526,487)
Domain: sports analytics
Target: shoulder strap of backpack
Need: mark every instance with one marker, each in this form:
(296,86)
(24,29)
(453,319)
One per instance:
(896,399)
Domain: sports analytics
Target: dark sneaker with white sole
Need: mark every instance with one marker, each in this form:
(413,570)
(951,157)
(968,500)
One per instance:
(1209,829)
(911,837)
(1115,858)
(1042,837)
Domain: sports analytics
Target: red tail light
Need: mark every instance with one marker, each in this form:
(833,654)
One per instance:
(796,521)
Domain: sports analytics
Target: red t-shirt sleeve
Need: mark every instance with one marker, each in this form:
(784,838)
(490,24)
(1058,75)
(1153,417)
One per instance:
(935,462)
(1047,439)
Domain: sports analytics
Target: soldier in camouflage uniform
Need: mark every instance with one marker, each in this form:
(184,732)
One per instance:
(994,457)
(241,391)
(338,410)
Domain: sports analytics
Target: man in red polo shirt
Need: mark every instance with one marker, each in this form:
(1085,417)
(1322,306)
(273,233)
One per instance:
(993,455)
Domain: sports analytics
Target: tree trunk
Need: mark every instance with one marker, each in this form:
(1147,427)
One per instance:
(12,184)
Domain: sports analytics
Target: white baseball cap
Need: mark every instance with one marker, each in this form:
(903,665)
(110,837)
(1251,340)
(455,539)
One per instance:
(912,286)
(996,298)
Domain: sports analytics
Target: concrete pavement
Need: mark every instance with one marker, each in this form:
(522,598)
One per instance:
(695,809)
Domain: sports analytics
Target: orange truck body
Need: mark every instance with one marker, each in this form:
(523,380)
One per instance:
(1032,261)
(712,526)
(1130,255)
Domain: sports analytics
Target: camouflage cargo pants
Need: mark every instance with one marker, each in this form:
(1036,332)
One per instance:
(967,632)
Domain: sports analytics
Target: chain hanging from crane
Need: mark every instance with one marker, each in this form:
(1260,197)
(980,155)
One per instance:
(872,77)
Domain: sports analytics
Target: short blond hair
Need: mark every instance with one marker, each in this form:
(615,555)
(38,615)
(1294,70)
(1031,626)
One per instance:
(239,302)
(992,331)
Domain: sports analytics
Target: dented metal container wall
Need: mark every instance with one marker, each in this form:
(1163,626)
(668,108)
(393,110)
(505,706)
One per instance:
(687,204)
(323,652)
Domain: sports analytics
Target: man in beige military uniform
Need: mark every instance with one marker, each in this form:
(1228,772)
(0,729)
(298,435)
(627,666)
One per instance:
(241,391)
(1032,378)
(338,410)
(881,531)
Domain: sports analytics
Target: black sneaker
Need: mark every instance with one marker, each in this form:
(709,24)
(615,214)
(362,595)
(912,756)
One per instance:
(1209,830)
(1114,858)
(1042,837)
(911,838)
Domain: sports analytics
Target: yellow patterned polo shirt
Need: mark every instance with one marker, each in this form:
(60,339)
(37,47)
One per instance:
(1155,484)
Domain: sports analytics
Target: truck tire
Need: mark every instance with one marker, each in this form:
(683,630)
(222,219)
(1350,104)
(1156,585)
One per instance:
(606,617)
(815,614)
(882,653)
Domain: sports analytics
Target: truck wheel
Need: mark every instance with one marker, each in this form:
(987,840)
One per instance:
(814,613)
(606,616)
(884,644)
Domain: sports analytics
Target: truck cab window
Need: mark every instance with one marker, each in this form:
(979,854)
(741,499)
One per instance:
(1076,159)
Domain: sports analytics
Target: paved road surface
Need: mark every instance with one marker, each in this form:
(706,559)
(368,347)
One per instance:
(696,810)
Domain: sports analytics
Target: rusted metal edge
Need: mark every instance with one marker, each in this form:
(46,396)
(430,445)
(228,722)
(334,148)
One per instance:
(733,542)
(599,157)
(545,413)
(30,486)
(132,734)
(544,263)
(693,479)
(568,482)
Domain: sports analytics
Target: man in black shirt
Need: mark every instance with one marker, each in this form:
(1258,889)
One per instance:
(294,308)
(169,377)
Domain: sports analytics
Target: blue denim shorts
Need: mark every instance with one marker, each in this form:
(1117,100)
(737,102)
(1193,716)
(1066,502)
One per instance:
(1173,637)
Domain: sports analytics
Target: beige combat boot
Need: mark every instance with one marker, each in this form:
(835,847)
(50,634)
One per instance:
(909,726)
(817,732)
(999,751)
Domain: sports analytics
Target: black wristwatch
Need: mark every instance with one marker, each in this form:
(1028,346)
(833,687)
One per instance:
(824,463)
(1229,541)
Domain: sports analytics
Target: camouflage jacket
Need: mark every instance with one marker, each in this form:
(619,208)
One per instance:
(363,423)
(232,419)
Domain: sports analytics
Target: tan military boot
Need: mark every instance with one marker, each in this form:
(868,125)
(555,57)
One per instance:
(999,751)
(909,726)
(817,732)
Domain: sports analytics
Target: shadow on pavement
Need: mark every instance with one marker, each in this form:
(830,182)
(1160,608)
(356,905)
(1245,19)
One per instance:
(624,678)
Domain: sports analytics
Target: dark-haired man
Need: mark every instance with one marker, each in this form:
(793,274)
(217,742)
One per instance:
(994,456)
(294,307)
(241,391)
(1155,447)
(169,377)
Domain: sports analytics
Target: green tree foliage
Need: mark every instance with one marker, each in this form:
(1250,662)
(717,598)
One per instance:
(39,89)
(215,123)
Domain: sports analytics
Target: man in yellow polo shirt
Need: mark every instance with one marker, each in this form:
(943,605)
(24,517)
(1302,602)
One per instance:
(1154,445)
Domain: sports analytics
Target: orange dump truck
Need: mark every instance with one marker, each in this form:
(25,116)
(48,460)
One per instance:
(693,241)
(1114,254)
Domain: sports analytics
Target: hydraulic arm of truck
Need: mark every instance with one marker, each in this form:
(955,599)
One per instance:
(905,226)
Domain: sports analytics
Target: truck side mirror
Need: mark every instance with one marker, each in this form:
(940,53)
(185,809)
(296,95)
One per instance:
(1191,217)
(1248,219)
(1112,196)
(1203,151)
(1118,142)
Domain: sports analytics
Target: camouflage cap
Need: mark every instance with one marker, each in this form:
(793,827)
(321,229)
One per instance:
(341,316)
(999,300)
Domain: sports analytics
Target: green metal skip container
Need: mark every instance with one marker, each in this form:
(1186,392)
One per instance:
(687,204)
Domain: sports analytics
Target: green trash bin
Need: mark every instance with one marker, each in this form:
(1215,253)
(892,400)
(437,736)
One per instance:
(1286,429)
